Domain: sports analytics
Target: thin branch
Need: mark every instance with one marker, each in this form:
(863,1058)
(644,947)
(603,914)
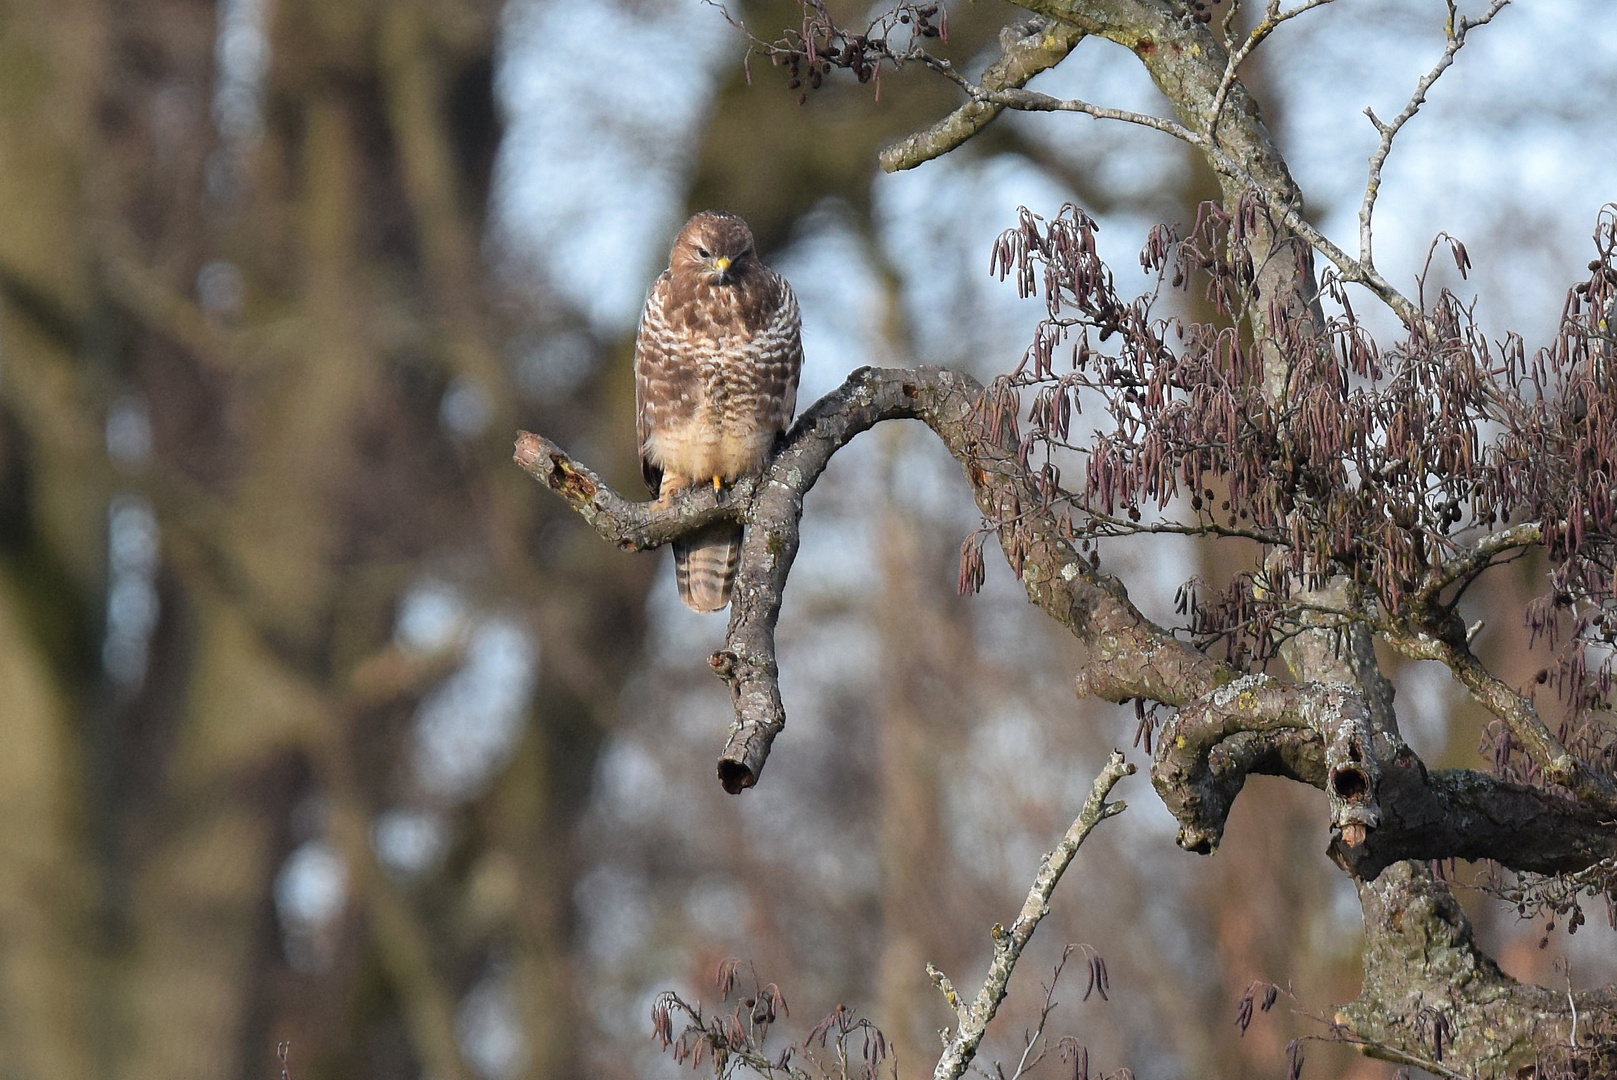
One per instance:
(1009,943)
(1350,269)
(1457,28)
(632,526)
(1035,1046)
(1476,557)
(1109,527)
(1238,161)
(1033,101)
(1026,48)
(1272,18)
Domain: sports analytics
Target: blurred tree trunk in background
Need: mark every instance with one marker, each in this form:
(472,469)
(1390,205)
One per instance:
(924,712)
(255,232)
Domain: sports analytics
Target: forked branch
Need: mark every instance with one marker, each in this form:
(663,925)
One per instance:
(1457,27)
(1385,805)
(972,1018)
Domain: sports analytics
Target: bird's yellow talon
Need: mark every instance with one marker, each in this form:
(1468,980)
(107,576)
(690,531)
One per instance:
(715,483)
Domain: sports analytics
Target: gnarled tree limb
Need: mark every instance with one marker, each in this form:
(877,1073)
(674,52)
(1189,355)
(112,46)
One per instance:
(1130,655)
(633,526)
(1429,989)
(1385,805)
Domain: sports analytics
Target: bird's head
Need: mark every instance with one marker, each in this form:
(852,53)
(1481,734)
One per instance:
(715,247)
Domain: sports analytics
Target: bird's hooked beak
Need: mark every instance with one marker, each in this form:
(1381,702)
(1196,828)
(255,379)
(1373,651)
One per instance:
(720,265)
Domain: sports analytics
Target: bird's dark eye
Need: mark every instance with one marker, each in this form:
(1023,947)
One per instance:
(703,252)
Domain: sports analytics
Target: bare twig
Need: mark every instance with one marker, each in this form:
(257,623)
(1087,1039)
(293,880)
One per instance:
(1012,97)
(973,1019)
(1272,18)
(1457,28)
(1035,1046)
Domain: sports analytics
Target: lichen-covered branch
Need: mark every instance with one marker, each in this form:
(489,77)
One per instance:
(1385,805)
(1478,556)
(633,526)
(972,1019)
(1430,990)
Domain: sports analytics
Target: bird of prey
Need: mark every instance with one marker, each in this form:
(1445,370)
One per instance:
(716,363)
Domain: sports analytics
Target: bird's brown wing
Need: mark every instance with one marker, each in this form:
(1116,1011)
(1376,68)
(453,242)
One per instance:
(667,384)
(778,358)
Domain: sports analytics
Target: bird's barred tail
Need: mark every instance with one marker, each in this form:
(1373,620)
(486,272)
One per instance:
(705,566)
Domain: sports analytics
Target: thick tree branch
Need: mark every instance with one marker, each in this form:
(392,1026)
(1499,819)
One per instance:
(972,1020)
(1429,989)
(1385,805)
(1130,656)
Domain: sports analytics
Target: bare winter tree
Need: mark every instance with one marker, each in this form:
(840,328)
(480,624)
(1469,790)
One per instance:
(1375,484)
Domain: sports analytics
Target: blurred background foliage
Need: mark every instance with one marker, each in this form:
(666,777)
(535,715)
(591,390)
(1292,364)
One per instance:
(323,726)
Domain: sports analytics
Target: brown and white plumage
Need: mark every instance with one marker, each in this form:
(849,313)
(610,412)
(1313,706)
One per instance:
(715,382)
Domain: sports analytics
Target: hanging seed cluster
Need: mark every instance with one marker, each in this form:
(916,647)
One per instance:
(1381,463)
(818,44)
(735,1036)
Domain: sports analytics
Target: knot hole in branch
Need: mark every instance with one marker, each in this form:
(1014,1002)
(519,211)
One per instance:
(1350,783)
(735,777)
